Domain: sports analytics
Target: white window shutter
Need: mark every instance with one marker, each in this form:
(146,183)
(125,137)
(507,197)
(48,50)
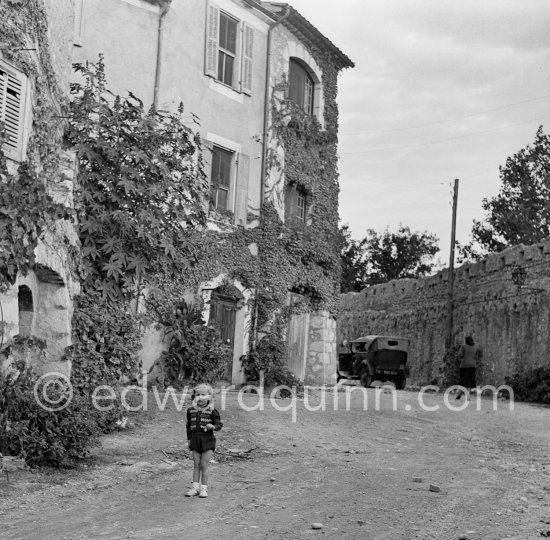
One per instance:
(212,36)
(12,110)
(241,200)
(247,54)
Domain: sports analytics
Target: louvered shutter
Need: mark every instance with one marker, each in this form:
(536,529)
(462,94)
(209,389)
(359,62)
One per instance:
(247,53)
(241,201)
(12,100)
(212,36)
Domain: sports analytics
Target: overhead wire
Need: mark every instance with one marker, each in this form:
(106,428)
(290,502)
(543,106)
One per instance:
(443,140)
(452,119)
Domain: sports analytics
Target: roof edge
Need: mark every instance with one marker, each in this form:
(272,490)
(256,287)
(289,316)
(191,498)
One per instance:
(297,22)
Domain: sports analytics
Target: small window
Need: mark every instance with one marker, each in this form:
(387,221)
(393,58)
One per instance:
(296,204)
(301,86)
(220,179)
(12,110)
(26,311)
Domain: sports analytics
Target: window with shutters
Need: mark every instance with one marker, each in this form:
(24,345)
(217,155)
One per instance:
(13,88)
(296,204)
(229,175)
(229,49)
(301,86)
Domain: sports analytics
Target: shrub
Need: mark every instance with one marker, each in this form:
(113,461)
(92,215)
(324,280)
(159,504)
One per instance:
(450,367)
(40,436)
(270,357)
(532,385)
(195,351)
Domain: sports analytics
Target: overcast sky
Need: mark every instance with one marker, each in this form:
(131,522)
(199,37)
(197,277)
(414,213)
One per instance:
(442,89)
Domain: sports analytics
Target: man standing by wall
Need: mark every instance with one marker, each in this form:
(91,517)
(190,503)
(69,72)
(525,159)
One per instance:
(469,355)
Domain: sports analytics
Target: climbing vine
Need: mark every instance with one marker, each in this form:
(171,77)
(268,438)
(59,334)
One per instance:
(27,208)
(141,187)
(26,212)
(140,195)
(141,200)
(301,258)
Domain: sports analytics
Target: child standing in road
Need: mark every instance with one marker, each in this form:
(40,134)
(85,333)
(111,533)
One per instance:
(202,420)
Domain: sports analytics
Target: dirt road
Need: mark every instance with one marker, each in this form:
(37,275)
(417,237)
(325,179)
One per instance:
(353,471)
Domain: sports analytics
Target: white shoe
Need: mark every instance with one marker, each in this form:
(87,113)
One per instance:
(194,490)
(203,492)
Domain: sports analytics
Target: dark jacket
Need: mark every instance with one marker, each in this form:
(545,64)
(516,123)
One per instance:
(469,354)
(198,418)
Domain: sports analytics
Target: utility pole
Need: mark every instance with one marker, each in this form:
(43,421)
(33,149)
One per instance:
(450,282)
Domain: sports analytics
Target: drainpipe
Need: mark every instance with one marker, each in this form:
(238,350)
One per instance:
(163,12)
(267,102)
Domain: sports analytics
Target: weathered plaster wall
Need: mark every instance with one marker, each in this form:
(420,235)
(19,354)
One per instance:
(47,27)
(511,324)
(60,36)
(126,33)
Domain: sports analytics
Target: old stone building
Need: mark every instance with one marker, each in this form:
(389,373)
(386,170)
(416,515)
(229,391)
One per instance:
(258,83)
(35,68)
(252,73)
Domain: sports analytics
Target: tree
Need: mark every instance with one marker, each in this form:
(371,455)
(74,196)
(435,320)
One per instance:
(354,266)
(381,257)
(141,187)
(520,213)
(399,255)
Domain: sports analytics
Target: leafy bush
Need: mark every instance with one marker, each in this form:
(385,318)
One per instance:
(270,357)
(140,186)
(41,436)
(532,385)
(195,351)
(450,367)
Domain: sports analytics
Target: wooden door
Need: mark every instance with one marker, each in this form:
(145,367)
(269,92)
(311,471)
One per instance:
(297,344)
(222,316)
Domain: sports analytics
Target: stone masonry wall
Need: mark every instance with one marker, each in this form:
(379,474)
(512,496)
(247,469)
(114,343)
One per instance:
(509,322)
(321,355)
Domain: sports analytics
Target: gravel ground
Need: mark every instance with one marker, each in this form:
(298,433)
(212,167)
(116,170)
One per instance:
(357,473)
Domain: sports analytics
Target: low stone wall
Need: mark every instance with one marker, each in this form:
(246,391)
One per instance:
(509,322)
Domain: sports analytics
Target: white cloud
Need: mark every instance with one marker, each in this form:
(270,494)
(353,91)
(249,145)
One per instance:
(460,70)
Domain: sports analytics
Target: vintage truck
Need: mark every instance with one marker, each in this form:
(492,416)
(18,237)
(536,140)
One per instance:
(374,357)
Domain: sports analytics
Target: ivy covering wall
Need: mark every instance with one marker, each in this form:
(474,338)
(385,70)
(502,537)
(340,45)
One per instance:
(300,258)
(29,209)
